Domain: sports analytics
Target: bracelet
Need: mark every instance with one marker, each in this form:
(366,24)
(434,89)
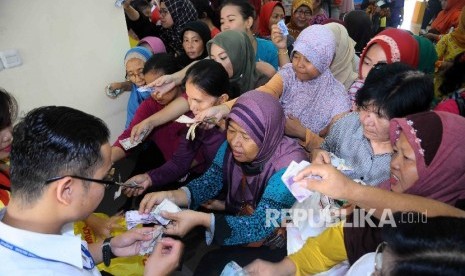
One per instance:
(283,53)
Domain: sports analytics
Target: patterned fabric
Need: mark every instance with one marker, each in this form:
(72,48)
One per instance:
(182,12)
(345,136)
(447,49)
(262,118)
(319,18)
(294,30)
(439,154)
(231,229)
(317,101)
(398,45)
(459,34)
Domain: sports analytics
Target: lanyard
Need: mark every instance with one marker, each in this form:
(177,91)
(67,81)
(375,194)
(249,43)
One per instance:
(88,261)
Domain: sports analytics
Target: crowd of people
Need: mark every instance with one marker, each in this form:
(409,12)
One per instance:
(333,82)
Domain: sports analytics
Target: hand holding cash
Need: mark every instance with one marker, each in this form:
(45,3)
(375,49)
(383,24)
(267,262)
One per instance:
(183,119)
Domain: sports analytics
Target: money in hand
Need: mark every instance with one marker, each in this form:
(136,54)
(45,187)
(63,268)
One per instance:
(167,206)
(147,247)
(133,218)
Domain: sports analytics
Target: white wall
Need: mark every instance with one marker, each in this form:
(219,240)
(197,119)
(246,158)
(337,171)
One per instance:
(70,50)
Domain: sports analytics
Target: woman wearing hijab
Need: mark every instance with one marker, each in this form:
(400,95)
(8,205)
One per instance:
(195,36)
(307,90)
(301,13)
(426,164)
(390,91)
(174,14)
(447,18)
(448,48)
(359,27)
(270,14)
(234,51)
(153,44)
(345,63)
(427,55)
(249,166)
(389,46)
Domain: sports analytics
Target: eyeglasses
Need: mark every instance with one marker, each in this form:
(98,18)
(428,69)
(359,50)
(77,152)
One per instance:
(304,13)
(379,258)
(133,77)
(107,181)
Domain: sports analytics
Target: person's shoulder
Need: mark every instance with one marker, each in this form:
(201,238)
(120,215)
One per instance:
(265,43)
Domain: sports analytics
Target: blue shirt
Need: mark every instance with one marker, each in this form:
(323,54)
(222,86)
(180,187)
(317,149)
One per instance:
(267,52)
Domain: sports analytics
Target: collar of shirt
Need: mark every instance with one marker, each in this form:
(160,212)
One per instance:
(65,248)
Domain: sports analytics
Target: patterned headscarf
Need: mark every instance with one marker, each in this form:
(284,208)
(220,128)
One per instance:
(343,63)
(182,12)
(262,117)
(398,45)
(240,51)
(155,44)
(265,15)
(294,30)
(314,102)
(437,140)
(458,35)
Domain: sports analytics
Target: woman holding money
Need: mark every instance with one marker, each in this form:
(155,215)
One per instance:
(249,168)
(206,86)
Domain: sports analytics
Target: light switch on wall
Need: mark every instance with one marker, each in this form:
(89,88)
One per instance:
(10,58)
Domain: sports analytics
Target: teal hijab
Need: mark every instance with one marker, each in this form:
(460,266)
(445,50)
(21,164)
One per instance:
(427,55)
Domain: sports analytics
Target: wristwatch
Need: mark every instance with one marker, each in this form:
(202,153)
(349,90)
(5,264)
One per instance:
(107,254)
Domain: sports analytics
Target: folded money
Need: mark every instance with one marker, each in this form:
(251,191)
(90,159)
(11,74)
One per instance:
(183,119)
(133,218)
(233,269)
(126,143)
(166,205)
(147,247)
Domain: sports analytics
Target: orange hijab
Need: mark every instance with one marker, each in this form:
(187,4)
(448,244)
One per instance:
(448,17)
(459,34)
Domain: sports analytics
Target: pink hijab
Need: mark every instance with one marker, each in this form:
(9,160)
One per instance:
(155,43)
(437,139)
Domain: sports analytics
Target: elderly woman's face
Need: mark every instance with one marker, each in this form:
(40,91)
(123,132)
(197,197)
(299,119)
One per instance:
(301,16)
(375,127)
(404,172)
(243,148)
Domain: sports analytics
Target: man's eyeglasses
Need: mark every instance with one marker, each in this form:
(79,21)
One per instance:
(379,258)
(304,13)
(132,77)
(107,181)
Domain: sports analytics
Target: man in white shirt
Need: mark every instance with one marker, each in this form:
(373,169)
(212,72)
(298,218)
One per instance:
(59,164)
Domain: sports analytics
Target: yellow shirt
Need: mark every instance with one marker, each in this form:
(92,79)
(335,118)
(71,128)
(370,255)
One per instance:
(322,252)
